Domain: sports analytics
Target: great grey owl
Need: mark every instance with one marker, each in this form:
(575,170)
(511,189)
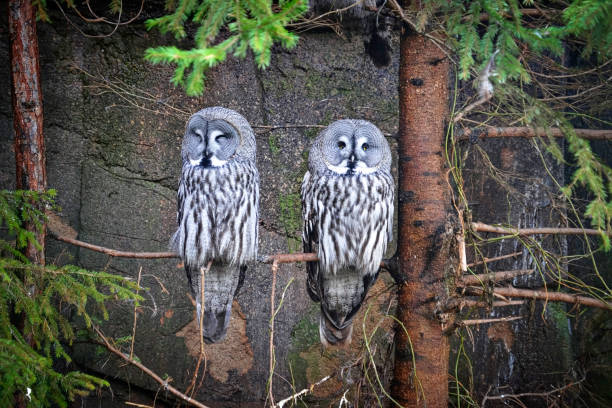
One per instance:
(347,207)
(218,204)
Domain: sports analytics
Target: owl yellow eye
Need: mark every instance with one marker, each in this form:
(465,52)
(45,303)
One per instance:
(365,146)
(341,145)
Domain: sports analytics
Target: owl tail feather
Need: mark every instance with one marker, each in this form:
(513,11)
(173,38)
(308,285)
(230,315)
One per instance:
(221,284)
(332,336)
(214,327)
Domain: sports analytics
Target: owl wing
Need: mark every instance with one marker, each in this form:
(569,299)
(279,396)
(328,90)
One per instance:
(309,236)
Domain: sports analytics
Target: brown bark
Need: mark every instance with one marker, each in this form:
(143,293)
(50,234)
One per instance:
(27,108)
(423,198)
(28,124)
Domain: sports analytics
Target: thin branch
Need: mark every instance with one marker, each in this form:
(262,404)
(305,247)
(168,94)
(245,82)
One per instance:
(545,295)
(493,277)
(147,371)
(308,390)
(271,345)
(462,302)
(546,394)
(493,132)
(497,258)
(114,252)
(471,107)
(481,227)
(135,315)
(289,258)
(471,322)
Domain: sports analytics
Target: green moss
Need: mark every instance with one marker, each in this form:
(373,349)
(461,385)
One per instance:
(556,311)
(290,217)
(273,144)
(304,336)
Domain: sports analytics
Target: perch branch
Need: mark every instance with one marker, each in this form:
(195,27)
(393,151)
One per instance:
(289,258)
(493,277)
(481,227)
(492,132)
(497,258)
(545,295)
(147,371)
(114,252)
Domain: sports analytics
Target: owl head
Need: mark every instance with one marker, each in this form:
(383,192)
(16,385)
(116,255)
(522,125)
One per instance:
(215,136)
(349,147)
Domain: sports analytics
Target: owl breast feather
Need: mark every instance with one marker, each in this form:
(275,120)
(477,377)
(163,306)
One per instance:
(217,214)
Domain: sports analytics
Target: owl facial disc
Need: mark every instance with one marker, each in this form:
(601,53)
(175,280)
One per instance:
(351,147)
(210,144)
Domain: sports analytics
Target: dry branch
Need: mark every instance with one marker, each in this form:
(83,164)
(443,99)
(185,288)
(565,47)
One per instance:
(114,252)
(460,303)
(472,322)
(492,132)
(481,227)
(497,258)
(295,396)
(148,371)
(545,295)
(493,277)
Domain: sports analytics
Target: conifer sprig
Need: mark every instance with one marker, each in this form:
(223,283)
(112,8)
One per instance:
(252,24)
(27,366)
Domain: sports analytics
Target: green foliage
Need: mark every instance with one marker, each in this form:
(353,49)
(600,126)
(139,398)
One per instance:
(254,24)
(31,295)
(476,40)
(590,20)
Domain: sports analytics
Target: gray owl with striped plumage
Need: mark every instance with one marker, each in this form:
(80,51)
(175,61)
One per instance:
(218,204)
(347,207)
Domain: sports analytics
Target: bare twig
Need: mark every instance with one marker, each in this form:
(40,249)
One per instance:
(471,107)
(496,258)
(515,397)
(305,391)
(202,355)
(493,132)
(481,227)
(545,295)
(493,277)
(148,371)
(135,315)
(271,346)
(471,322)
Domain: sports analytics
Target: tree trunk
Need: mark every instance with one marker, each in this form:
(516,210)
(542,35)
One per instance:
(28,123)
(27,108)
(423,208)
